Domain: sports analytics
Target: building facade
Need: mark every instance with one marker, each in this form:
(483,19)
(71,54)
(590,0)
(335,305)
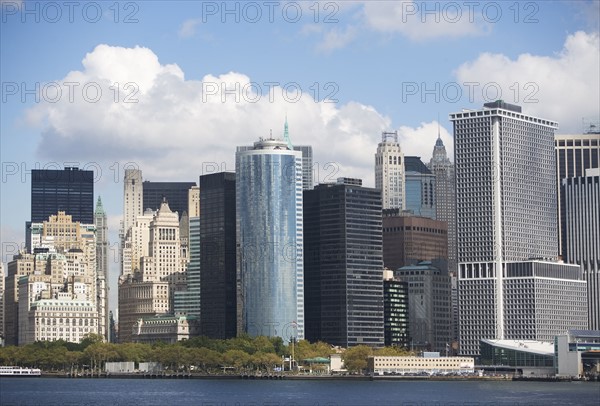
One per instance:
(505,208)
(100,222)
(419,188)
(343,264)
(395,311)
(217,239)
(574,154)
(162,272)
(384,365)
(389,171)
(176,193)
(445,196)
(581,198)
(270,239)
(70,190)
(409,239)
(429,304)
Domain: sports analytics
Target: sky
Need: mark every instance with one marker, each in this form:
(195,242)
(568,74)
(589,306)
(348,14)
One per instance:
(173,87)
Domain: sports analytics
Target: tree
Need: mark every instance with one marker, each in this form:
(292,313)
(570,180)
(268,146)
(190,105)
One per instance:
(355,358)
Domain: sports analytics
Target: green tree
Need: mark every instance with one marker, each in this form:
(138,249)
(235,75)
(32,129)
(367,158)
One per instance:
(355,358)
(237,359)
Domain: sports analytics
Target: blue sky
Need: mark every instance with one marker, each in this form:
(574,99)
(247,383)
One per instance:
(387,66)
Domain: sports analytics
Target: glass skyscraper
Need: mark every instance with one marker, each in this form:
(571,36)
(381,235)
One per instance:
(70,190)
(344,264)
(217,255)
(270,239)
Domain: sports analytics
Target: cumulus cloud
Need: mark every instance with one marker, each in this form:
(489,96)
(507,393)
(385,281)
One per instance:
(564,87)
(148,113)
(419,141)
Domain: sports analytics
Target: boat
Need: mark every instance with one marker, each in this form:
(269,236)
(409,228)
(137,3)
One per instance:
(18,371)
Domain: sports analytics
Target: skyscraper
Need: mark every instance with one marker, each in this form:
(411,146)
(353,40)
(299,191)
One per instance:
(343,265)
(574,154)
(419,188)
(395,311)
(389,171)
(149,291)
(581,197)
(217,239)
(70,190)
(444,196)
(270,239)
(102,267)
(408,240)
(506,210)
(429,304)
(176,193)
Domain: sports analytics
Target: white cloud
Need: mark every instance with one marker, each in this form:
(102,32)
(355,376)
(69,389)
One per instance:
(188,28)
(337,38)
(177,125)
(564,87)
(420,141)
(422,21)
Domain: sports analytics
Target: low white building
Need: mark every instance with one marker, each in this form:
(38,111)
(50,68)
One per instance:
(382,365)
(166,328)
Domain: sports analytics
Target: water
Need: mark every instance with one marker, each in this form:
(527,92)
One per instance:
(165,392)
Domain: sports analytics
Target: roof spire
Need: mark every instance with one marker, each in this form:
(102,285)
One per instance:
(438,121)
(286,134)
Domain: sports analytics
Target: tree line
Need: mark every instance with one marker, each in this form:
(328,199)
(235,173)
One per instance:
(198,354)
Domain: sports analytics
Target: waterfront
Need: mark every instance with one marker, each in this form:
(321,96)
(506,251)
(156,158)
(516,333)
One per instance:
(75,392)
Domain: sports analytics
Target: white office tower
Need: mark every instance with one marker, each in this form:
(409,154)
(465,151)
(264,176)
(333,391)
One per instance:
(507,230)
(389,171)
(582,211)
(133,202)
(100,221)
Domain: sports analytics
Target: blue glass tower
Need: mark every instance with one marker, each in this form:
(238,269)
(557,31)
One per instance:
(270,239)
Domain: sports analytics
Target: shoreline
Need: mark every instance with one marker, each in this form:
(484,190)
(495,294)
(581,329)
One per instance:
(310,377)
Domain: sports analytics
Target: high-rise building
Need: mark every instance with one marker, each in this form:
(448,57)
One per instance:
(187,302)
(70,190)
(132,197)
(419,195)
(581,197)
(395,311)
(389,171)
(574,154)
(444,196)
(270,239)
(217,243)
(101,224)
(506,210)
(429,304)
(343,265)
(56,284)
(194,202)
(176,193)
(2,277)
(150,291)
(408,240)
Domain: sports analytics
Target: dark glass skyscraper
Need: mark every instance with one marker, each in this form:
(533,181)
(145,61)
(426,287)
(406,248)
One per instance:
(176,194)
(70,190)
(395,310)
(343,268)
(218,298)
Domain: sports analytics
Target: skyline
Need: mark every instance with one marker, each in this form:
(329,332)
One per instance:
(179,129)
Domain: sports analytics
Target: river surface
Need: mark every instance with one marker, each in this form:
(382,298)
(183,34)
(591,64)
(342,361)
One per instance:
(165,392)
